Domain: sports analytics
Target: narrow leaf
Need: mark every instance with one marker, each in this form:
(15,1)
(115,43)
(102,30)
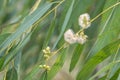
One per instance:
(44,76)
(12,54)
(116,75)
(58,64)
(88,68)
(3,37)
(76,56)
(32,73)
(65,23)
(2,59)
(104,69)
(12,74)
(26,24)
(109,28)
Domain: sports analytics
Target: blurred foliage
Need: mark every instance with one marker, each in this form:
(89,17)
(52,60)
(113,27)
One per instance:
(29,26)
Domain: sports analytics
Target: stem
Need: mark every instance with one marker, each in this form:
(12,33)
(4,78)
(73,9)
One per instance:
(59,49)
(49,12)
(35,6)
(113,62)
(105,11)
(101,14)
(80,31)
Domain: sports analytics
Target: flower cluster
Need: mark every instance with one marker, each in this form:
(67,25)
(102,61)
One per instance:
(47,53)
(84,20)
(81,38)
(72,38)
(46,67)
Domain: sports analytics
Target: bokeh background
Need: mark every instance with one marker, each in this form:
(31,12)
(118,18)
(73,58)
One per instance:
(20,58)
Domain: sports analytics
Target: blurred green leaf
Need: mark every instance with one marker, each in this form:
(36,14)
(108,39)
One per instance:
(3,37)
(68,15)
(12,54)
(58,64)
(12,74)
(2,59)
(44,76)
(75,56)
(32,73)
(102,78)
(109,31)
(116,67)
(17,63)
(26,24)
(104,69)
(116,75)
(103,54)
(48,37)
(49,33)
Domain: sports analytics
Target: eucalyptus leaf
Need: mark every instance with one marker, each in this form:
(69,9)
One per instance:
(3,37)
(103,54)
(116,75)
(58,64)
(26,24)
(12,74)
(44,76)
(2,59)
(68,15)
(76,56)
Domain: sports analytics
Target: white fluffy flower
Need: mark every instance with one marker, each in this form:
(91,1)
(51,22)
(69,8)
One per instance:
(70,37)
(84,20)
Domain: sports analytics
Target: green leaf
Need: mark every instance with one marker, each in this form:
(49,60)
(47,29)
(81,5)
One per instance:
(104,69)
(116,67)
(109,31)
(44,76)
(2,59)
(12,54)
(26,24)
(32,73)
(116,75)
(3,37)
(17,63)
(48,37)
(49,34)
(103,54)
(102,78)
(68,15)
(58,64)
(76,56)
(12,74)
